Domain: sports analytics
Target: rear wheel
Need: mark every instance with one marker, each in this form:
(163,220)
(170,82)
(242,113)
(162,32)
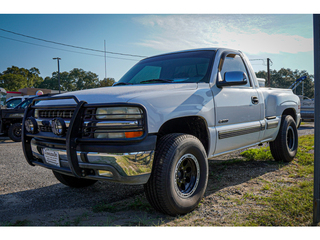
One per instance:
(14,132)
(284,147)
(73,181)
(179,176)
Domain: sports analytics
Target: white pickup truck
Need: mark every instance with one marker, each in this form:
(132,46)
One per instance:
(159,125)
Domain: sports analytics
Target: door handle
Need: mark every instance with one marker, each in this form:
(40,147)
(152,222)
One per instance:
(254,100)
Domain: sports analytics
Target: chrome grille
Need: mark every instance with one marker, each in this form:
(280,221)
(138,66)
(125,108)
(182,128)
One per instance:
(62,113)
(44,117)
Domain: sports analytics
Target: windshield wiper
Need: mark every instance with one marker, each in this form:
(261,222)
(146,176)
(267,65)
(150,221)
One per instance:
(122,83)
(157,80)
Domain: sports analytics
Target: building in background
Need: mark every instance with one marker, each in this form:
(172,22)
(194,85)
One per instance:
(30,91)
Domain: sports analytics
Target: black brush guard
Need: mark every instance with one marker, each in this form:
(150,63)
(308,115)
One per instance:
(73,134)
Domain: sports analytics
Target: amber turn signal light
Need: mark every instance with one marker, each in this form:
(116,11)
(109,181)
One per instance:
(133,134)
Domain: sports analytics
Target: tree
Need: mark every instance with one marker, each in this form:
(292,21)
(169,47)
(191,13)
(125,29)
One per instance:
(284,78)
(83,79)
(76,79)
(49,83)
(32,76)
(66,83)
(12,82)
(106,82)
(15,78)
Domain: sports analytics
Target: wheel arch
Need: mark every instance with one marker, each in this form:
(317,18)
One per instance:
(291,112)
(193,125)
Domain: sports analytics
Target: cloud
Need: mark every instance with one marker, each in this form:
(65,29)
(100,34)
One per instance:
(253,34)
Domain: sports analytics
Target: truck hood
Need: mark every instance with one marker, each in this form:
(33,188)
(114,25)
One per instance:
(119,94)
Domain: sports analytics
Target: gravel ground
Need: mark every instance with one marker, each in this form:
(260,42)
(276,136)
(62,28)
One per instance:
(27,190)
(306,128)
(32,194)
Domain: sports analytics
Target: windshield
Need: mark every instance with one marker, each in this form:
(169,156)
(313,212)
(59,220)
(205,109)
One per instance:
(13,102)
(186,67)
(25,103)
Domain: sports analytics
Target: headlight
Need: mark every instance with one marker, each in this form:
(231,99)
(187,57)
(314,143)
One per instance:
(118,113)
(36,113)
(116,123)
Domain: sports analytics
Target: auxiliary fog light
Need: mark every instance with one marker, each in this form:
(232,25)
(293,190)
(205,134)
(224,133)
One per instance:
(105,173)
(58,126)
(31,125)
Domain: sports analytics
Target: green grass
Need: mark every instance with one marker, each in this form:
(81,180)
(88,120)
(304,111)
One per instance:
(262,153)
(266,187)
(290,203)
(103,207)
(287,206)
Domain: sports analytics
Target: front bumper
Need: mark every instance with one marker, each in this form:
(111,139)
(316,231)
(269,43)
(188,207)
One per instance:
(128,162)
(101,162)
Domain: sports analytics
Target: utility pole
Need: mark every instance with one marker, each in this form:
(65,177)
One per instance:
(268,68)
(105,60)
(316,188)
(58,71)
(268,83)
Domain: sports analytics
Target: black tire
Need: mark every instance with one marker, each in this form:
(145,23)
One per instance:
(299,123)
(14,132)
(179,176)
(73,181)
(284,147)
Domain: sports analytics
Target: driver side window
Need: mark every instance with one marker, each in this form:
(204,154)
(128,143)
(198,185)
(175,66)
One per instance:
(234,62)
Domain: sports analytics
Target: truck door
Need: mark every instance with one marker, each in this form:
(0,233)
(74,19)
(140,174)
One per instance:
(237,107)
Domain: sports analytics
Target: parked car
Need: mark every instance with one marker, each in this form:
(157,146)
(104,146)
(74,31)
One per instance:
(307,108)
(15,101)
(3,94)
(159,125)
(11,119)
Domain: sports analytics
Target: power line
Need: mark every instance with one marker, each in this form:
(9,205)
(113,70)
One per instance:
(68,45)
(64,49)
(263,60)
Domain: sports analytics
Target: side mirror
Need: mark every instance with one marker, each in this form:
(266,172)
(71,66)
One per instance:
(233,78)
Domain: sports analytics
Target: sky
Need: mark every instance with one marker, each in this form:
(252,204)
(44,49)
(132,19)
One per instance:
(287,39)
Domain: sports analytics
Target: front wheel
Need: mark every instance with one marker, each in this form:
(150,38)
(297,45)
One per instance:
(285,146)
(73,181)
(14,132)
(179,175)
